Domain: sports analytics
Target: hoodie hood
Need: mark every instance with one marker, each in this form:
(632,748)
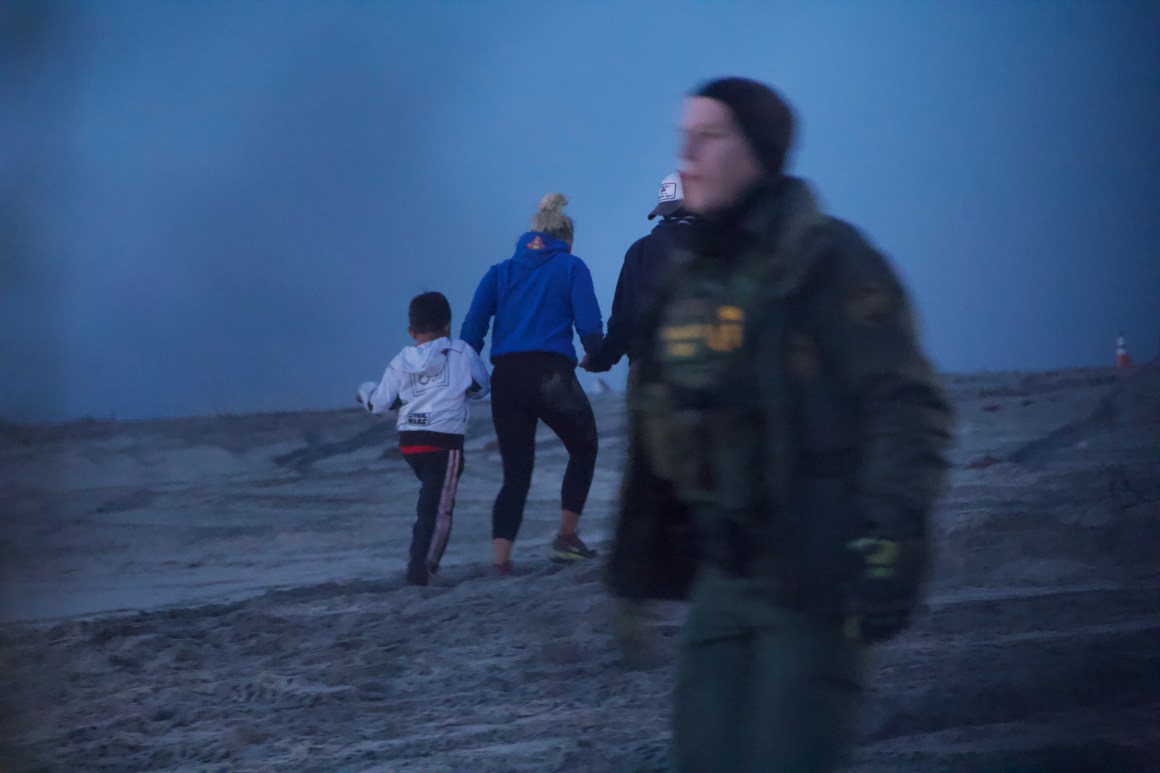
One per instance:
(540,299)
(534,249)
(429,358)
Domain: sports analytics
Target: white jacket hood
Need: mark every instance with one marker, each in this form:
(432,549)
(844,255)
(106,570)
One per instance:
(429,358)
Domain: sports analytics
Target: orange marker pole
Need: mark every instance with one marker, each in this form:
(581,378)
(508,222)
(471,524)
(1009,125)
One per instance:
(1122,358)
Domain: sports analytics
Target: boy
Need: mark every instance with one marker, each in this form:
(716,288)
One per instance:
(428,383)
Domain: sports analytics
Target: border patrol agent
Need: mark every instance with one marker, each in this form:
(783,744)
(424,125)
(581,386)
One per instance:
(789,447)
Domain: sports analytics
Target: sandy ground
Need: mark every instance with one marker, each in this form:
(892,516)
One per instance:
(226,594)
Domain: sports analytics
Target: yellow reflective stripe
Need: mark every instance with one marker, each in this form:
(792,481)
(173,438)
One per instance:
(725,338)
(684,332)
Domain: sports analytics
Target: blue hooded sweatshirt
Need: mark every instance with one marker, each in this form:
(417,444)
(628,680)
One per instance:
(536,297)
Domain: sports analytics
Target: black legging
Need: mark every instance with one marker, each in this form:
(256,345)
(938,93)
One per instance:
(531,386)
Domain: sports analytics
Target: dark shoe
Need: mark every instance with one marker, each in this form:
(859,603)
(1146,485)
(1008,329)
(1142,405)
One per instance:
(567,548)
(416,575)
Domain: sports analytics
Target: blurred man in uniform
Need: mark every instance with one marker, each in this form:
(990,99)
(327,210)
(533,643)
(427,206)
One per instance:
(787,447)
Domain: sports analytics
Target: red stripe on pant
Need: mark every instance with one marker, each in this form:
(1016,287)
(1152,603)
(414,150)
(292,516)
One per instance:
(419,449)
(443,514)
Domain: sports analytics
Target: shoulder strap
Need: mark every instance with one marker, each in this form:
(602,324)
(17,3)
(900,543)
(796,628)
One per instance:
(773,316)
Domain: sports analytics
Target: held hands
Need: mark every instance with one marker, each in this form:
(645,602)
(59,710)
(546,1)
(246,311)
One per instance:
(586,364)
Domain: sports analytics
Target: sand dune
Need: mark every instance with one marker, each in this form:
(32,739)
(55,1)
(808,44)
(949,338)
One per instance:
(226,594)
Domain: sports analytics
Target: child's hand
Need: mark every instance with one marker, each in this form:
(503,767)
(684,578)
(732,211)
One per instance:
(364,392)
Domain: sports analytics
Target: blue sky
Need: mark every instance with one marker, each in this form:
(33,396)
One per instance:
(221,207)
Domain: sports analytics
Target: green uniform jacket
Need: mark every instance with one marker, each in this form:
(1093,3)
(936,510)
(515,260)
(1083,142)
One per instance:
(782,410)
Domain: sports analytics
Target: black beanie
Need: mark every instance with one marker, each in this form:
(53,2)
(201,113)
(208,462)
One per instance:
(761,114)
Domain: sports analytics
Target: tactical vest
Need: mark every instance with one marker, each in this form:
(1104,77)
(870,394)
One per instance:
(731,342)
(737,410)
(701,417)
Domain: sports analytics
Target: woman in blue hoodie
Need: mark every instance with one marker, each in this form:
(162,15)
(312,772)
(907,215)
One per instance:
(537,297)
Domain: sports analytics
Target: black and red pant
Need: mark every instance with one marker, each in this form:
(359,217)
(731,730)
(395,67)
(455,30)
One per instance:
(438,471)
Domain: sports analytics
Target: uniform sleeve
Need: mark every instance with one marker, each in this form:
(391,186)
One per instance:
(904,421)
(384,396)
(481,382)
(620,322)
(478,319)
(586,309)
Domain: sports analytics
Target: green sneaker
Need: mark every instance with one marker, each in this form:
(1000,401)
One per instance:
(567,548)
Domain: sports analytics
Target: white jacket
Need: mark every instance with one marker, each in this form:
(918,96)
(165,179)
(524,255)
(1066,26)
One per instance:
(432,381)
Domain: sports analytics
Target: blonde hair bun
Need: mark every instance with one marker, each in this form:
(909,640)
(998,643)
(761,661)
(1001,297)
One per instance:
(553,202)
(551,220)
